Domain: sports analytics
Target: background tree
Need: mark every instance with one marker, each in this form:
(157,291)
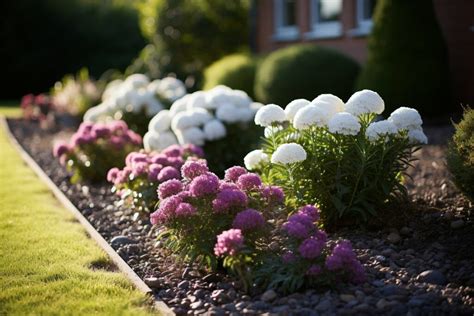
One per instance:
(407,61)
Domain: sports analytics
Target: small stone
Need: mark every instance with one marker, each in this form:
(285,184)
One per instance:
(381,304)
(393,238)
(268,296)
(405,231)
(183,285)
(324,305)
(152,282)
(457,224)
(211,278)
(347,297)
(432,276)
(122,240)
(196,305)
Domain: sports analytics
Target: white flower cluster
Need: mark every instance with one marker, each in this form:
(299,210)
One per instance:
(134,94)
(254,158)
(288,153)
(199,117)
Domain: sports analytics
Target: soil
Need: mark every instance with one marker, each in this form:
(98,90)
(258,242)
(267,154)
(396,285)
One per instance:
(422,264)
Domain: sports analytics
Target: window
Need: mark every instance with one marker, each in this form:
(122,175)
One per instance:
(285,20)
(365,10)
(325,18)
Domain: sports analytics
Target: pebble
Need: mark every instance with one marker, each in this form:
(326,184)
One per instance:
(347,297)
(268,296)
(432,276)
(457,224)
(122,240)
(153,282)
(393,238)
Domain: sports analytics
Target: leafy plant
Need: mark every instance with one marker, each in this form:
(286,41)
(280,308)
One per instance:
(460,156)
(96,148)
(337,156)
(136,184)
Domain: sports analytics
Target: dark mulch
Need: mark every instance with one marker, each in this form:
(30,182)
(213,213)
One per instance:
(434,234)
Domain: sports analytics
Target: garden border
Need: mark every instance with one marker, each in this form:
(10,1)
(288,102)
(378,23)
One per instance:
(158,305)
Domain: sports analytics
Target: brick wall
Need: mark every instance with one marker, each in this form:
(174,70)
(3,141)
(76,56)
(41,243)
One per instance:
(456,18)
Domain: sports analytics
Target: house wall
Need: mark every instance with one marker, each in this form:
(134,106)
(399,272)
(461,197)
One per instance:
(456,18)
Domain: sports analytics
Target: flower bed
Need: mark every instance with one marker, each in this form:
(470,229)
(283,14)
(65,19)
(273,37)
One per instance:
(394,270)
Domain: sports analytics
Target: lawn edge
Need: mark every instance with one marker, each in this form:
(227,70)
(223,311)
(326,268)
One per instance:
(158,305)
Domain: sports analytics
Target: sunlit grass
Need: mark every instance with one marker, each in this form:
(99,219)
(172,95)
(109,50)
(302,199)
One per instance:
(45,255)
(10,108)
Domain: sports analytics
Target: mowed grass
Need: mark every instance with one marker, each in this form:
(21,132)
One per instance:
(46,259)
(10,108)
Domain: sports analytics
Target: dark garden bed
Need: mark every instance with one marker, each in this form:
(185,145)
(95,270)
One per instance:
(422,265)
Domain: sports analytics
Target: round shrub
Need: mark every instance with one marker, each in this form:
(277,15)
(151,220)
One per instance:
(236,71)
(304,71)
(461,155)
(400,66)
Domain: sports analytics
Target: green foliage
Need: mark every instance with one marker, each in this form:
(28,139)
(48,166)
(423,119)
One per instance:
(348,177)
(43,40)
(48,265)
(304,71)
(235,71)
(407,60)
(461,154)
(189,35)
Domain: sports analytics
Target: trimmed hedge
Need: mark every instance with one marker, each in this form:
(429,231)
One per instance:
(460,156)
(407,59)
(304,71)
(235,71)
(43,40)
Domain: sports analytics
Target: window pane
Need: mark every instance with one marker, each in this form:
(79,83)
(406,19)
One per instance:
(289,12)
(368,7)
(329,10)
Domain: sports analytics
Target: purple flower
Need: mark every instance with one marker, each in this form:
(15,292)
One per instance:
(205,184)
(192,169)
(117,142)
(112,175)
(223,185)
(134,157)
(249,181)
(172,151)
(169,188)
(288,257)
(100,130)
(60,148)
(139,168)
(176,162)
(79,139)
(153,171)
(135,138)
(123,176)
(185,209)
(118,126)
(184,195)
(192,150)
(310,210)
(85,128)
(314,270)
(160,159)
(311,247)
(228,199)
(166,210)
(168,173)
(273,195)
(249,219)
(229,242)
(344,258)
(233,173)
(296,230)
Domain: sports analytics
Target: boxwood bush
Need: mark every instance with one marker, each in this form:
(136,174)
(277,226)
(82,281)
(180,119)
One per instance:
(304,71)
(461,154)
(236,71)
(400,66)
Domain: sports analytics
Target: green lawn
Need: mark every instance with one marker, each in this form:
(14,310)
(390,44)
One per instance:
(46,259)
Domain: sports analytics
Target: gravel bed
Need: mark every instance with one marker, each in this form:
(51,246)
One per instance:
(423,265)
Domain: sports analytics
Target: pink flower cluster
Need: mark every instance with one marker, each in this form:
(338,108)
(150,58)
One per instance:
(311,244)
(144,170)
(114,135)
(229,242)
(36,107)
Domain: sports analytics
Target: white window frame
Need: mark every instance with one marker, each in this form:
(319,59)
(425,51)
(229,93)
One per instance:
(364,25)
(282,32)
(322,29)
